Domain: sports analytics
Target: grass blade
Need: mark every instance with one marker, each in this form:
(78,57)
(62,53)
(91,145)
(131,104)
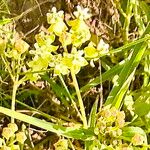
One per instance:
(92,117)
(69,132)
(92,121)
(118,91)
(105,76)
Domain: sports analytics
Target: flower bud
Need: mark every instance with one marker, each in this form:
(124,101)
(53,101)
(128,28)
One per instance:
(137,139)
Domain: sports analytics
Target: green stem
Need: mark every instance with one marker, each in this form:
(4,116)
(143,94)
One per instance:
(74,104)
(15,87)
(127,20)
(79,98)
(138,18)
(101,86)
(21,146)
(71,145)
(8,67)
(118,6)
(15,84)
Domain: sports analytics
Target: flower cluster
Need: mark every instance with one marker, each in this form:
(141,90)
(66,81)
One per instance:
(13,46)
(11,137)
(52,46)
(109,125)
(110,128)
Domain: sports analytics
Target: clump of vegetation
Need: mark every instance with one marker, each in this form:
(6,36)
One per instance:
(61,53)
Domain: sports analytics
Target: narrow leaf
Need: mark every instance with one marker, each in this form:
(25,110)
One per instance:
(92,117)
(105,76)
(69,132)
(118,91)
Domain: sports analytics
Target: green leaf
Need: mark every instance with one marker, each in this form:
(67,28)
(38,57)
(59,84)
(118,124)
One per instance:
(129,132)
(92,117)
(129,45)
(142,105)
(92,123)
(69,132)
(145,7)
(105,76)
(119,90)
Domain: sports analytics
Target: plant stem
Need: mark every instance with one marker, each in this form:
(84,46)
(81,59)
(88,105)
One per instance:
(127,20)
(15,87)
(15,84)
(79,98)
(138,18)
(101,86)
(74,104)
(8,67)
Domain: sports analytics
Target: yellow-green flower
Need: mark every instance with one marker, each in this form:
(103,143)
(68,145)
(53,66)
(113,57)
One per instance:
(65,39)
(44,39)
(58,28)
(74,60)
(94,52)
(21,137)
(56,20)
(55,16)
(102,47)
(13,126)
(21,46)
(90,51)
(1,142)
(7,133)
(82,13)
(80,32)
(61,69)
